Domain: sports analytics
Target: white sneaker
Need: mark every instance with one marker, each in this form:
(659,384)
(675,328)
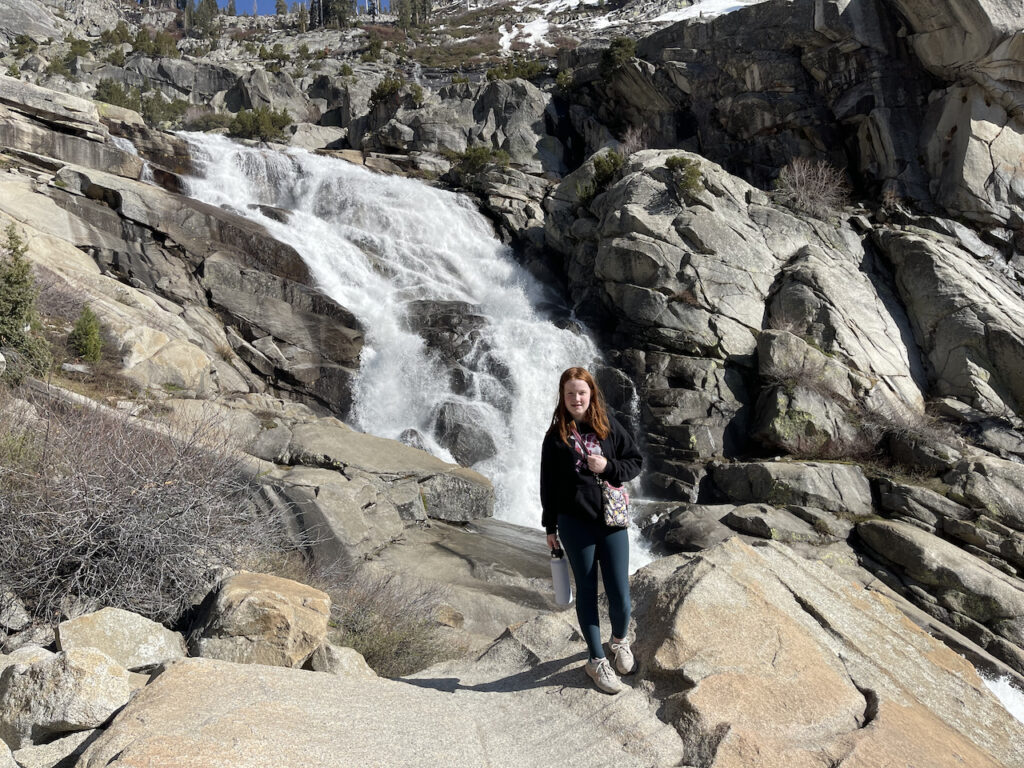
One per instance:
(623,655)
(604,677)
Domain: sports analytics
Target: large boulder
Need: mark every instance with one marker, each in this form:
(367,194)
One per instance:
(965,317)
(992,484)
(448,492)
(74,690)
(961,582)
(27,17)
(839,488)
(131,640)
(773,660)
(254,618)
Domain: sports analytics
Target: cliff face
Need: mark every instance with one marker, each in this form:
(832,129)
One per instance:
(842,388)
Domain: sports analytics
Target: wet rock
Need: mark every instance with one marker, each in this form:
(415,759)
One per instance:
(459,428)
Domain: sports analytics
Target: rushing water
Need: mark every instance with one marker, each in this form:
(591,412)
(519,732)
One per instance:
(375,243)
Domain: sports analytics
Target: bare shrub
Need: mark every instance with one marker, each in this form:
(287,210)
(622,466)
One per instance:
(392,623)
(98,510)
(634,140)
(814,187)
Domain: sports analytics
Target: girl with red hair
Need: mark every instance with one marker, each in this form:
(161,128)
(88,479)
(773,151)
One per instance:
(584,446)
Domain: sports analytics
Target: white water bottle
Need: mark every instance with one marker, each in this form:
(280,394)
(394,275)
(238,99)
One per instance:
(560,577)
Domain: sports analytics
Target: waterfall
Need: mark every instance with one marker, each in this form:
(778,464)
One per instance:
(381,246)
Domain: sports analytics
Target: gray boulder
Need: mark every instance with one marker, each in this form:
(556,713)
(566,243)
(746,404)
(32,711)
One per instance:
(960,581)
(792,659)
(62,751)
(692,527)
(131,640)
(254,618)
(767,522)
(992,484)
(72,691)
(965,317)
(458,428)
(27,17)
(839,488)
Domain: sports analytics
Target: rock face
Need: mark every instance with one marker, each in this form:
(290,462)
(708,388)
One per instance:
(260,619)
(129,639)
(822,680)
(965,317)
(928,92)
(687,282)
(447,717)
(72,691)
(743,652)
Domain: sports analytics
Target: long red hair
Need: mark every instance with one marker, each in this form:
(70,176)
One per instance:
(596,415)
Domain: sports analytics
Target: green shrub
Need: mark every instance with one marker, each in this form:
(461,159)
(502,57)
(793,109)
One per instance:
(345,71)
(518,66)
(686,174)
(23,46)
(456,79)
(209,121)
(563,80)
(116,57)
(261,123)
(606,169)
(165,45)
(156,109)
(385,89)
(620,52)
(112,92)
(25,349)
(475,159)
(119,34)
(14,71)
(58,66)
(416,91)
(78,48)
(85,339)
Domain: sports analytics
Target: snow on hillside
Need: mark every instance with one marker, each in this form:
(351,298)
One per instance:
(534,34)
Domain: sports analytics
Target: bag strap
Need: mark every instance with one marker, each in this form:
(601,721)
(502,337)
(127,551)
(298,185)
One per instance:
(581,447)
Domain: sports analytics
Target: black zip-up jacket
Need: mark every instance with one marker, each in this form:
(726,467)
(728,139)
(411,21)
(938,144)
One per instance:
(564,491)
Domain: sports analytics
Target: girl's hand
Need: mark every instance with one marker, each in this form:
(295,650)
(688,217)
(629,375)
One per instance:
(596,464)
(553,541)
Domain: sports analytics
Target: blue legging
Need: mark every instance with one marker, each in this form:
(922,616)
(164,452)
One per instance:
(588,545)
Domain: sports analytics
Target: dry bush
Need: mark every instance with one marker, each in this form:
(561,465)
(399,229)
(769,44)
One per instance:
(98,510)
(392,622)
(634,140)
(812,186)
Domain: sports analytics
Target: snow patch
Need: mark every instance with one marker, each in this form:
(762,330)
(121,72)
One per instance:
(706,9)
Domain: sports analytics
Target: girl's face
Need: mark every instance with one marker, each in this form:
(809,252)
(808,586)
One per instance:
(576,396)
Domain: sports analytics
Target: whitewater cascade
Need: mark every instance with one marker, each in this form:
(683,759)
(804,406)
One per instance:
(376,244)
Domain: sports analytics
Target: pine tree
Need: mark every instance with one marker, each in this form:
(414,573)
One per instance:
(281,7)
(303,18)
(18,310)
(85,338)
(231,10)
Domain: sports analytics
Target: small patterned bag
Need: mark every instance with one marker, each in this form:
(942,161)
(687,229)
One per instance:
(614,498)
